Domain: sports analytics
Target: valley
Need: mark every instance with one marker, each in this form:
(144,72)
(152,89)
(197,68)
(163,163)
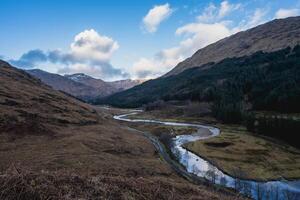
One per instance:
(54,146)
(234,150)
(252,184)
(221,124)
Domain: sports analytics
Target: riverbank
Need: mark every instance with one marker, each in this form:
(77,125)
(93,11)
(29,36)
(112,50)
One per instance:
(241,154)
(238,152)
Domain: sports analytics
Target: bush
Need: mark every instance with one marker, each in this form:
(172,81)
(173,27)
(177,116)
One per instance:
(197,109)
(157,105)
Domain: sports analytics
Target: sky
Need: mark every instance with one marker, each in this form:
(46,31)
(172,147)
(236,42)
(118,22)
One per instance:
(119,39)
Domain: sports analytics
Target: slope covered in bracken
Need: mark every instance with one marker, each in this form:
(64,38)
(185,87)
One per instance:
(27,103)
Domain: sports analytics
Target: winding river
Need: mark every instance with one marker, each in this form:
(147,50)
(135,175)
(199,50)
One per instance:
(201,168)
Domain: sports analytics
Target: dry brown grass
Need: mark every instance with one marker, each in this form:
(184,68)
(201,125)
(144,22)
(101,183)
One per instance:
(65,149)
(17,184)
(237,150)
(92,162)
(26,103)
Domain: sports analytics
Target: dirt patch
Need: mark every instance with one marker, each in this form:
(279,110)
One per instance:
(218,144)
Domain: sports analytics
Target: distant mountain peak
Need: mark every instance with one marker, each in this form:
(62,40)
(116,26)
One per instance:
(81,85)
(78,76)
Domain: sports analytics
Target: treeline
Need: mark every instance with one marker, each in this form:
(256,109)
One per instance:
(282,128)
(267,81)
(234,87)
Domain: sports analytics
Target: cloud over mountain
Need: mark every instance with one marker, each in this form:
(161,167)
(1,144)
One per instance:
(89,53)
(284,13)
(211,25)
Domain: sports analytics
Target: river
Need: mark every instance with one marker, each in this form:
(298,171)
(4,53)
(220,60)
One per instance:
(195,165)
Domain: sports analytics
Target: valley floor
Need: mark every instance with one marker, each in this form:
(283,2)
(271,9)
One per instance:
(236,151)
(106,160)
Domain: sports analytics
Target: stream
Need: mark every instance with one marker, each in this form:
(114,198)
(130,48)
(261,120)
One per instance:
(195,165)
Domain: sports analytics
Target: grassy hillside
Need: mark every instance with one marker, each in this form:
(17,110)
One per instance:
(28,105)
(266,81)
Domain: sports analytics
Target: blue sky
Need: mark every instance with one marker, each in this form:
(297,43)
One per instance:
(112,39)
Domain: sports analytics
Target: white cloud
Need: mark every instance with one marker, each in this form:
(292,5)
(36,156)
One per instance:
(209,14)
(144,68)
(257,18)
(213,13)
(284,13)
(89,53)
(152,67)
(89,45)
(200,35)
(227,8)
(155,16)
(208,28)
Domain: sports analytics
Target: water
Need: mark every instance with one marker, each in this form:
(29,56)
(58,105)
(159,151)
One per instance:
(268,190)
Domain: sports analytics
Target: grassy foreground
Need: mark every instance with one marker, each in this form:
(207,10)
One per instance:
(107,160)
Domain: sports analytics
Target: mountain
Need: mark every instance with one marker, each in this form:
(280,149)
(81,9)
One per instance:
(64,84)
(261,67)
(260,91)
(275,35)
(125,84)
(268,81)
(29,106)
(107,87)
(101,88)
(81,85)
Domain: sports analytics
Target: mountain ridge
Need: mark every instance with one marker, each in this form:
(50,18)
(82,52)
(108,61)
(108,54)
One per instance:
(271,36)
(81,85)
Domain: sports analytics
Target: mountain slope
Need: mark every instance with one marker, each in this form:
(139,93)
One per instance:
(262,91)
(67,85)
(107,88)
(27,103)
(83,86)
(269,81)
(275,35)
(125,84)
(101,88)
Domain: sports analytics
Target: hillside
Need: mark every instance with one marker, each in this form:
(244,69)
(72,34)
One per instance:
(234,88)
(269,81)
(272,36)
(84,90)
(29,104)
